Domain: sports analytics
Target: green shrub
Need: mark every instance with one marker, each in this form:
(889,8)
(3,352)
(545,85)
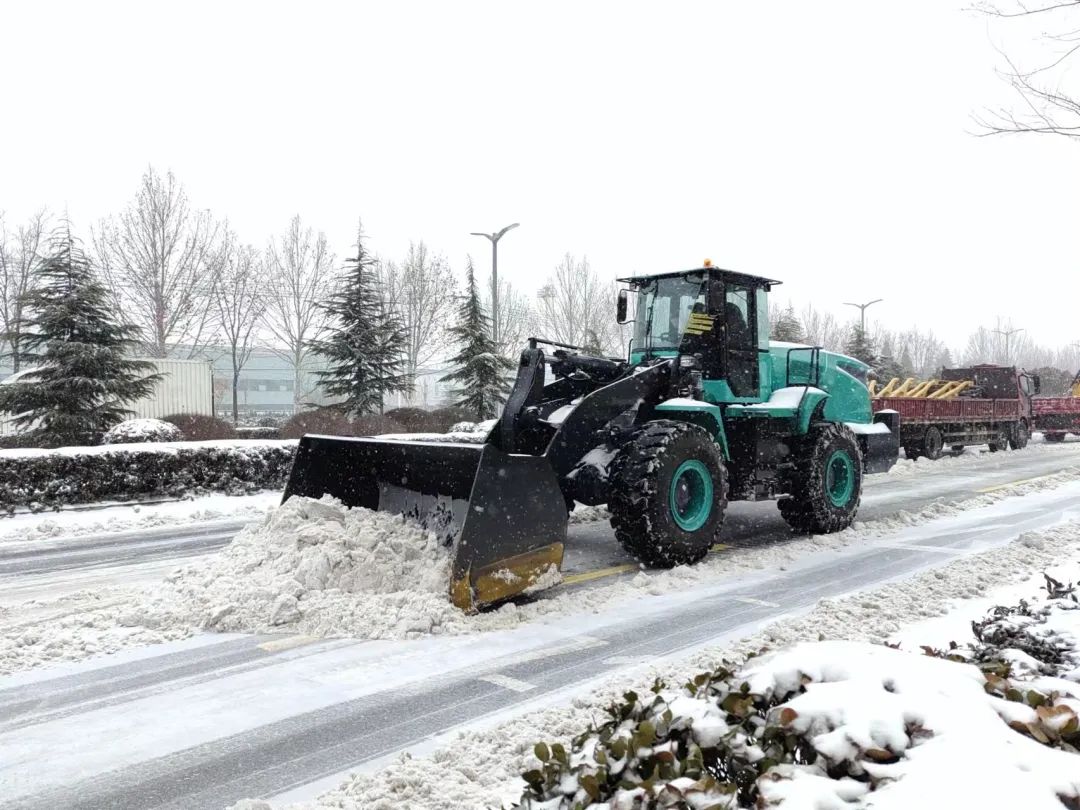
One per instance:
(49,480)
(414,420)
(327,421)
(199,428)
(445,418)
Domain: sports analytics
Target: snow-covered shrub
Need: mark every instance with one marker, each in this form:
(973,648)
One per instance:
(414,420)
(446,418)
(197,427)
(40,480)
(259,432)
(142,430)
(323,421)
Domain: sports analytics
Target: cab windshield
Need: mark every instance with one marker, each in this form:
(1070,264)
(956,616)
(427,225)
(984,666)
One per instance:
(663,307)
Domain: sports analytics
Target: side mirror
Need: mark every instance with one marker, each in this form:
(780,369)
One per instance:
(621,306)
(1036,383)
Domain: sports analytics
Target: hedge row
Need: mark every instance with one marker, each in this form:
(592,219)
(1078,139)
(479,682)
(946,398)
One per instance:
(50,480)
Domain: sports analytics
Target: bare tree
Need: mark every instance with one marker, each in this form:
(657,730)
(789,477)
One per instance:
(575,306)
(1044,106)
(515,317)
(822,328)
(240,299)
(158,259)
(422,290)
(301,276)
(20,254)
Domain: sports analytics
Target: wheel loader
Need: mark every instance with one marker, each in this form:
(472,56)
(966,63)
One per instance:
(702,411)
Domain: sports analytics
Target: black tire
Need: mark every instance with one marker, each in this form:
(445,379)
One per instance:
(1020,435)
(911,452)
(646,492)
(933,443)
(1054,438)
(813,506)
(1001,442)
(957,449)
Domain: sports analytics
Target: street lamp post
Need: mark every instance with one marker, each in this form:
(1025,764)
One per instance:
(862,311)
(1007,334)
(494,239)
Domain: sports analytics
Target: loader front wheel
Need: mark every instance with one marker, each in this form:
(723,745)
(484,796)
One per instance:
(827,484)
(668,494)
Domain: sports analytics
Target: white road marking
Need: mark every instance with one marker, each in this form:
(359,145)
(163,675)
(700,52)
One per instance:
(625,660)
(749,600)
(952,552)
(287,643)
(506,682)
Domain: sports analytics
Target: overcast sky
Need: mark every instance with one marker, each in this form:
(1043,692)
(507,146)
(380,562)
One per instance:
(825,144)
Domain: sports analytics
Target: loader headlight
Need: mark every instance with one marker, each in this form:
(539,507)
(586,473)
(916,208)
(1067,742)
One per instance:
(689,361)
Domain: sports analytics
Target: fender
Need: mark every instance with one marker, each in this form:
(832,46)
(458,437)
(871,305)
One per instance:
(696,412)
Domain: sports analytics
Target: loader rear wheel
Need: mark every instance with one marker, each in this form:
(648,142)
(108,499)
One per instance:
(668,494)
(827,484)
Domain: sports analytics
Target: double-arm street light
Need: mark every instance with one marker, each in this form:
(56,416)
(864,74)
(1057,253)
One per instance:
(1007,334)
(494,238)
(862,311)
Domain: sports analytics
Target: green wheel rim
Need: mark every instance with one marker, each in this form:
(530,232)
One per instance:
(840,478)
(690,496)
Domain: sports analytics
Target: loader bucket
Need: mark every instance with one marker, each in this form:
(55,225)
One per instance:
(503,515)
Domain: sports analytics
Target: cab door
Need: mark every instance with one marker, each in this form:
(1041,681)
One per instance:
(738,315)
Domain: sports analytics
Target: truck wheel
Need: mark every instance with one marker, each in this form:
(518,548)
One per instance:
(1018,439)
(1054,437)
(827,487)
(1001,442)
(668,494)
(958,449)
(912,452)
(933,443)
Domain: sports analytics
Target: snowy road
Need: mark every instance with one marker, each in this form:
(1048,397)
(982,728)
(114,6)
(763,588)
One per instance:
(59,565)
(206,721)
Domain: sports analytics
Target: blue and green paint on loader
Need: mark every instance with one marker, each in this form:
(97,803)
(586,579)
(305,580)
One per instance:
(703,410)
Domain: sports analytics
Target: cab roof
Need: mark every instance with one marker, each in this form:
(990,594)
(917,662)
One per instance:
(743,278)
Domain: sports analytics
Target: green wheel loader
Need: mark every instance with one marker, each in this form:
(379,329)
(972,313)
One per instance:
(703,411)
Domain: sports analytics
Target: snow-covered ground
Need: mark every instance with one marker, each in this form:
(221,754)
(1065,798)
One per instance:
(115,518)
(308,568)
(865,696)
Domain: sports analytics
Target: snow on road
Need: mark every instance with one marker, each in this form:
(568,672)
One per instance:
(28,527)
(481,767)
(313,568)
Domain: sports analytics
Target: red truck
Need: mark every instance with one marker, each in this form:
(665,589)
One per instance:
(1057,416)
(995,410)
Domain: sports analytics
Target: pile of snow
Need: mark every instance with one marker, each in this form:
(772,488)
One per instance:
(483,767)
(323,569)
(466,432)
(142,430)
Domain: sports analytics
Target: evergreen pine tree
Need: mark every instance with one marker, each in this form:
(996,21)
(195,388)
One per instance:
(787,327)
(479,370)
(364,346)
(83,374)
(859,346)
(907,366)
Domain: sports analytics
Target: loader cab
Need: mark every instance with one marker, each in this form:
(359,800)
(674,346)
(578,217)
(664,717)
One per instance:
(714,320)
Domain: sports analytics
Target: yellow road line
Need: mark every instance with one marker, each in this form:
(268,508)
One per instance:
(1014,483)
(588,576)
(601,573)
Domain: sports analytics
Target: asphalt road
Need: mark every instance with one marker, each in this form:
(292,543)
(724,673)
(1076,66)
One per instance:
(206,722)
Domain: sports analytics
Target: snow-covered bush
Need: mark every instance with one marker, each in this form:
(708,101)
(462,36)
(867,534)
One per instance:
(198,427)
(991,722)
(40,480)
(142,430)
